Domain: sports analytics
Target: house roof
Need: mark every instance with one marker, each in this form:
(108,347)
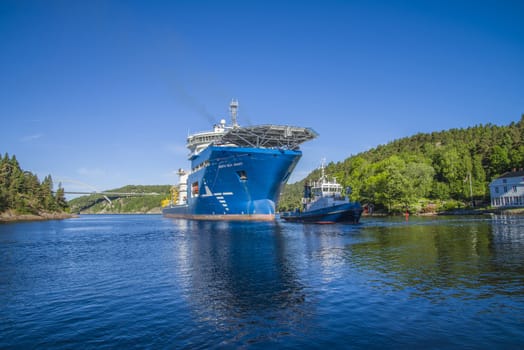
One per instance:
(512,174)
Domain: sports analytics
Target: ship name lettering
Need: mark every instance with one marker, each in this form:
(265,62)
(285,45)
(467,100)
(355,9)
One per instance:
(229,165)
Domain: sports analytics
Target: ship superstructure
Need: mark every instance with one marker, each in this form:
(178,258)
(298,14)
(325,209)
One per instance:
(237,173)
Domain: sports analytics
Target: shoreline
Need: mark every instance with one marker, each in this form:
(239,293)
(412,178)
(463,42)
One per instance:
(492,211)
(10,217)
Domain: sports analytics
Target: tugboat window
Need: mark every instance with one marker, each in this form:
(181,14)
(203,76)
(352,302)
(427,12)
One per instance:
(242,175)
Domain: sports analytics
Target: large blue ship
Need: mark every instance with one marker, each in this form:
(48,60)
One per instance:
(237,173)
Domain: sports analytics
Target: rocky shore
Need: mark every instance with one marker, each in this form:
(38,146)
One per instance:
(10,216)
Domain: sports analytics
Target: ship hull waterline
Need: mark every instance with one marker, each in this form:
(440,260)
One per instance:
(227,217)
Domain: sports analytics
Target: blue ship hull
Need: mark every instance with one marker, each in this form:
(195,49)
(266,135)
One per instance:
(235,183)
(347,212)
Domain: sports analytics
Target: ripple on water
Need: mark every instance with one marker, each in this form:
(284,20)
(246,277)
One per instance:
(146,281)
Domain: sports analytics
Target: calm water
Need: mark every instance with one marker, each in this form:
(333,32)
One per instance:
(150,282)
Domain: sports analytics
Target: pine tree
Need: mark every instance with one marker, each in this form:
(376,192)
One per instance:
(60,197)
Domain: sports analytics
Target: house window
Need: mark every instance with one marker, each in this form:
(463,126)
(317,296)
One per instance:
(505,189)
(514,188)
(496,189)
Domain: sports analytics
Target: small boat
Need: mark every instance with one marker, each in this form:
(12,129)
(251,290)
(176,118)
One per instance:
(324,203)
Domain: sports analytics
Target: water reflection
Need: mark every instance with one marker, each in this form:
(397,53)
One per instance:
(238,276)
(507,268)
(439,258)
(508,234)
(259,282)
(325,245)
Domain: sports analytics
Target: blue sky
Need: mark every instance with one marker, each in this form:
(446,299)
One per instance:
(105,92)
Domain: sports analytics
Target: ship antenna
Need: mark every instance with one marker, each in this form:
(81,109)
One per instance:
(233,108)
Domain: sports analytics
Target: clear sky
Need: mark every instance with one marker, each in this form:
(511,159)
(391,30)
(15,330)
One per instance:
(106,92)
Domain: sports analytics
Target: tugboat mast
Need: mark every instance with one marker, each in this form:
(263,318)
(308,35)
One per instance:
(322,166)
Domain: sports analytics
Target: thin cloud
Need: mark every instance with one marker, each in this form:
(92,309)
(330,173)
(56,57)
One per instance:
(95,172)
(30,138)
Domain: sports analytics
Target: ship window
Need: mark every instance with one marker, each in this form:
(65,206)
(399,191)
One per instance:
(242,175)
(194,188)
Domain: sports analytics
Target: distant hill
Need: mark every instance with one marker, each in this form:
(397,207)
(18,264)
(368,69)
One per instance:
(426,172)
(97,204)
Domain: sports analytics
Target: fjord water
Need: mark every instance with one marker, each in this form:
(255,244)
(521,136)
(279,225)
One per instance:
(150,282)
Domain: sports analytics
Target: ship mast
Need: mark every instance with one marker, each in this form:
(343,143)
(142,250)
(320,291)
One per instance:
(233,108)
(322,166)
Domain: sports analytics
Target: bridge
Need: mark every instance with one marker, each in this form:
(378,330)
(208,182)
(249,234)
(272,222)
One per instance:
(120,194)
(105,194)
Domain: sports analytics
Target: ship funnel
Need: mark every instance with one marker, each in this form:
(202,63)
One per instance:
(233,108)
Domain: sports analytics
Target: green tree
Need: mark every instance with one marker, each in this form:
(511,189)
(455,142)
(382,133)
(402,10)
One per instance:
(499,160)
(420,177)
(46,193)
(389,185)
(60,197)
(516,157)
(3,200)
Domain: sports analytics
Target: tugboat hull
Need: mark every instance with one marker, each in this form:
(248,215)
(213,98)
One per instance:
(346,213)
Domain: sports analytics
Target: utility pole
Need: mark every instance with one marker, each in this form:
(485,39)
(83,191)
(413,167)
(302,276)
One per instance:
(471,190)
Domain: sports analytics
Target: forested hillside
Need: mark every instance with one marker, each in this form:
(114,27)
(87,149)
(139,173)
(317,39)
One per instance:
(427,171)
(21,192)
(97,204)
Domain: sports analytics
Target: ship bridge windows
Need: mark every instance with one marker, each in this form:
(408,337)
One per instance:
(330,190)
(201,165)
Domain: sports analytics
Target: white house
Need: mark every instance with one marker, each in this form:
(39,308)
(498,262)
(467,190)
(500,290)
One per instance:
(508,190)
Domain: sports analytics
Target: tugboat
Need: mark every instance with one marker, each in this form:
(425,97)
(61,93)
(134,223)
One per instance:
(323,203)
